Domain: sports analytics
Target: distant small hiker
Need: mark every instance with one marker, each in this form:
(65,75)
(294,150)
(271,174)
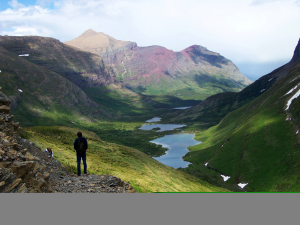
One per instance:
(49,151)
(81,145)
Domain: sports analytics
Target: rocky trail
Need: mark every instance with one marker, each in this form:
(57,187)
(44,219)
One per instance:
(26,168)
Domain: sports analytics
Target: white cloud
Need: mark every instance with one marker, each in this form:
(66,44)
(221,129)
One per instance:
(15,4)
(256,31)
(260,2)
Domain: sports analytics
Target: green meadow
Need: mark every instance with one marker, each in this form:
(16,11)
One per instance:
(131,165)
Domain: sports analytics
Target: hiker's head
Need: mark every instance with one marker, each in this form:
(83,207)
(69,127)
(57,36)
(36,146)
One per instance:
(79,134)
(49,149)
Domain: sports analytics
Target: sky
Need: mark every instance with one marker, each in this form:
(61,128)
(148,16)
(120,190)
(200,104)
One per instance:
(258,36)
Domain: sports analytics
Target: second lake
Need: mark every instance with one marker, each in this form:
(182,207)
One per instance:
(162,127)
(177,147)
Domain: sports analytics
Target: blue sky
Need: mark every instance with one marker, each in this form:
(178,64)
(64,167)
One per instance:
(257,35)
(4,4)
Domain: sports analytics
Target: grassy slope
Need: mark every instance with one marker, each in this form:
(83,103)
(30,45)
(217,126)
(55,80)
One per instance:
(259,146)
(78,66)
(121,101)
(47,97)
(140,170)
(185,86)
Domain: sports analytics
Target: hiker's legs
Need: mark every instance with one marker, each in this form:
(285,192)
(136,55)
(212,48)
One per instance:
(78,163)
(84,162)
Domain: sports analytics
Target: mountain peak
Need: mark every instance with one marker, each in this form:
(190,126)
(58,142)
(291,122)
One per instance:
(88,33)
(200,49)
(194,47)
(296,55)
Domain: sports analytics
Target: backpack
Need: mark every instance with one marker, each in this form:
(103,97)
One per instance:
(80,146)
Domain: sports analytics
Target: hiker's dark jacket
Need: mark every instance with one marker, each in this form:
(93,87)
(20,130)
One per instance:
(84,142)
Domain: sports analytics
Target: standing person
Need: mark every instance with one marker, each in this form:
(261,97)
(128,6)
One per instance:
(81,145)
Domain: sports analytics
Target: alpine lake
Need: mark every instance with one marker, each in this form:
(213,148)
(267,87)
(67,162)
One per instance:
(176,144)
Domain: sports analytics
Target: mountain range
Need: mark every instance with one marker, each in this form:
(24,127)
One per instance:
(193,73)
(105,94)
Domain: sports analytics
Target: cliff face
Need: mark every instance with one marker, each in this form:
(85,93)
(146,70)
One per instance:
(157,70)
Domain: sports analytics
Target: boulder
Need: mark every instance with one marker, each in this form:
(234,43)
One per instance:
(29,157)
(9,182)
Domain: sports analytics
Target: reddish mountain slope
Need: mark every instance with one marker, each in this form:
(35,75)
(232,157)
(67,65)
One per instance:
(195,72)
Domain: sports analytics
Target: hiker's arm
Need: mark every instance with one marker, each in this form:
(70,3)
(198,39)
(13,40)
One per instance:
(75,143)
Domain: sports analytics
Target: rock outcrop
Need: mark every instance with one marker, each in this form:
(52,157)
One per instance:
(20,171)
(25,168)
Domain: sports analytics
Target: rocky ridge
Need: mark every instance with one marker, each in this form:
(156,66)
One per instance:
(25,168)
